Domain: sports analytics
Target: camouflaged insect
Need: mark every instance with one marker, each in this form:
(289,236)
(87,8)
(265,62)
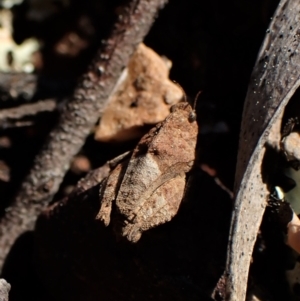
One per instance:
(146,190)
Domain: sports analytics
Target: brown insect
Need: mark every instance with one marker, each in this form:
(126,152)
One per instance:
(148,188)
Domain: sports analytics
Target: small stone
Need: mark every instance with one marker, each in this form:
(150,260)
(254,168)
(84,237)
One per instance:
(143,98)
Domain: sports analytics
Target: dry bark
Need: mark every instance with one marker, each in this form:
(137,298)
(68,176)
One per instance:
(274,80)
(79,115)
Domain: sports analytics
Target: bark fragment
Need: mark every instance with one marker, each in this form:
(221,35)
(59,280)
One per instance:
(274,80)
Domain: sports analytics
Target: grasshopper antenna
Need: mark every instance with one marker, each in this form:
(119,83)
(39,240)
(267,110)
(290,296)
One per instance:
(193,115)
(196,99)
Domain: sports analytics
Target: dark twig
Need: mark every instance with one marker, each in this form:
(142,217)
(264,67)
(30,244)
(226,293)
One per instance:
(78,117)
(6,115)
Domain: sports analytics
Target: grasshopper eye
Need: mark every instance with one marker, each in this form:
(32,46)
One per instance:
(192,116)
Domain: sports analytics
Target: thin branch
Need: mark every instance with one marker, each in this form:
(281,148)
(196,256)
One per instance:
(6,115)
(78,117)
